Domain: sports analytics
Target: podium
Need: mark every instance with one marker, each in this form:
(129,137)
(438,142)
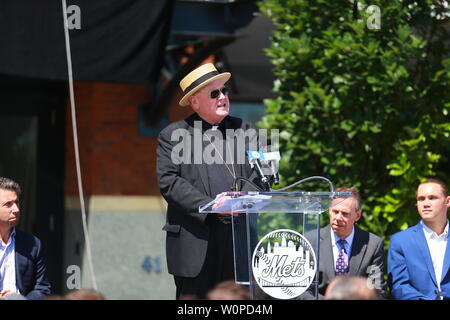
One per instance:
(272,233)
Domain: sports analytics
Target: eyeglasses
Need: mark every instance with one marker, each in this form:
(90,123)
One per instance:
(216,93)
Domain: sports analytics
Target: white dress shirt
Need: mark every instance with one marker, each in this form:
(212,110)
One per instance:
(437,244)
(8,264)
(348,245)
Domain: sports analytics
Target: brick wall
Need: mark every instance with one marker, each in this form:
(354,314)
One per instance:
(115,159)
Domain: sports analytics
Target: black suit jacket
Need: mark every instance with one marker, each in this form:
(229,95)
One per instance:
(366,259)
(185,186)
(31,278)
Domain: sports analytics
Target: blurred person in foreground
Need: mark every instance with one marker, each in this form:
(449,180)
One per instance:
(84,294)
(229,290)
(350,288)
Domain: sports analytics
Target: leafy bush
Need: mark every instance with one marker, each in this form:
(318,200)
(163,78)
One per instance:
(364,107)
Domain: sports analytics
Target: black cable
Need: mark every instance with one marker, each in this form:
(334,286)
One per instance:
(309,179)
(246,180)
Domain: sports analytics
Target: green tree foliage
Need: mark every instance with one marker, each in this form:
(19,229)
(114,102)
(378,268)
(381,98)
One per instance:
(362,106)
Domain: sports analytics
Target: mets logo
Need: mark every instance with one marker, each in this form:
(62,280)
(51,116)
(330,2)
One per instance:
(284,264)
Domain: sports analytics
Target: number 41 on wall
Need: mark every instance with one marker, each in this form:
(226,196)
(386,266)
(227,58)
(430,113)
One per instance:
(152,264)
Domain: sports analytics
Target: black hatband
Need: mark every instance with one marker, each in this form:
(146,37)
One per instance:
(200,80)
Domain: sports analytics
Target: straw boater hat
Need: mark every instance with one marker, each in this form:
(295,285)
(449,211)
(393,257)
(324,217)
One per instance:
(198,78)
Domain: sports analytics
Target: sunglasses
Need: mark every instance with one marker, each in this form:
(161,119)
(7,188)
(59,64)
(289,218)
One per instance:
(216,93)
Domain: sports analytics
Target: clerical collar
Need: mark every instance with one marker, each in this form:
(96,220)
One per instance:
(207,126)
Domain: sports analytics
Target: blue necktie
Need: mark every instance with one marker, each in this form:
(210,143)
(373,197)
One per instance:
(342,260)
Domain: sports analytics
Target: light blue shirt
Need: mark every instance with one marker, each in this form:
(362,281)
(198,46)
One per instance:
(8,264)
(335,246)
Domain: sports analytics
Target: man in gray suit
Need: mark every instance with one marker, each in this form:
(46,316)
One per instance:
(345,249)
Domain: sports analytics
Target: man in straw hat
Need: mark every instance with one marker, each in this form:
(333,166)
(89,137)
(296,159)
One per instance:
(199,246)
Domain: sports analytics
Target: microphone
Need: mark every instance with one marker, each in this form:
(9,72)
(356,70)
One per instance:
(276,178)
(255,159)
(273,158)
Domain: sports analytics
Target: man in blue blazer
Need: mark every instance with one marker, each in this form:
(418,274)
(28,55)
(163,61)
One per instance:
(419,257)
(22,268)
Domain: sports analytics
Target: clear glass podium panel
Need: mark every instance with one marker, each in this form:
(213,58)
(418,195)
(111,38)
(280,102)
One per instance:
(274,254)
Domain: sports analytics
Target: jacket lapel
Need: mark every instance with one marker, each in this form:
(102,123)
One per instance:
(203,173)
(422,244)
(326,253)
(359,247)
(446,266)
(233,145)
(20,261)
(202,170)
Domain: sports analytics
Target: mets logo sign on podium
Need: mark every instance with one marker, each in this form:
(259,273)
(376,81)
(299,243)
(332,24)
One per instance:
(284,264)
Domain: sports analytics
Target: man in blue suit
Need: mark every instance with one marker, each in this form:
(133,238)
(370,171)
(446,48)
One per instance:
(419,257)
(22,268)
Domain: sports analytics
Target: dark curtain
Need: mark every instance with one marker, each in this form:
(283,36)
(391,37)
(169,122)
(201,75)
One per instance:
(119,40)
